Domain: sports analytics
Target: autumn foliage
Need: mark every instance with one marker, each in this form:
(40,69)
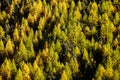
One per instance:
(59,40)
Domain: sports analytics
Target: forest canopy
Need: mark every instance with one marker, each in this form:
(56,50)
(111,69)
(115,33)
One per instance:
(59,40)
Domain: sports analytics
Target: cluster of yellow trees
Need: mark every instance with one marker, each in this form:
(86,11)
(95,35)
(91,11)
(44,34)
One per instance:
(59,40)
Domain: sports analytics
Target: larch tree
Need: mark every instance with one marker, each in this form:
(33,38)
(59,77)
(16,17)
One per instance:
(25,71)
(39,75)
(74,66)
(16,35)
(9,47)
(6,69)
(99,72)
(116,19)
(68,71)
(63,76)
(93,13)
(19,75)
(2,33)
(22,52)
(1,45)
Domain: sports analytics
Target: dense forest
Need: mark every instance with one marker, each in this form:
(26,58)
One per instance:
(59,40)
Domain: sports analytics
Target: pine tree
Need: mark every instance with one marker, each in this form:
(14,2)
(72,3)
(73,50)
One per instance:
(6,69)
(39,75)
(63,76)
(22,52)
(77,14)
(99,72)
(74,66)
(9,48)
(16,35)
(58,47)
(76,51)
(93,17)
(1,45)
(68,71)
(79,4)
(63,36)
(29,44)
(30,18)
(106,7)
(56,11)
(13,68)
(85,57)
(116,75)
(19,75)
(41,23)
(57,31)
(2,33)
(26,71)
(117,18)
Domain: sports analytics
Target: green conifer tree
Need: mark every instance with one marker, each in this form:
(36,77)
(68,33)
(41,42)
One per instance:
(39,75)
(2,33)
(63,76)
(22,52)
(6,69)
(1,45)
(19,75)
(9,48)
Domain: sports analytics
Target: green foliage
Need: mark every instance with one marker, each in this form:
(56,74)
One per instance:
(6,69)
(99,73)
(9,48)
(1,45)
(39,75)
(19,75)
(59,39)
(22,52)
(74,66)
(64,77)
(117,18)
(2,33)
(93,17)
(16,35)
